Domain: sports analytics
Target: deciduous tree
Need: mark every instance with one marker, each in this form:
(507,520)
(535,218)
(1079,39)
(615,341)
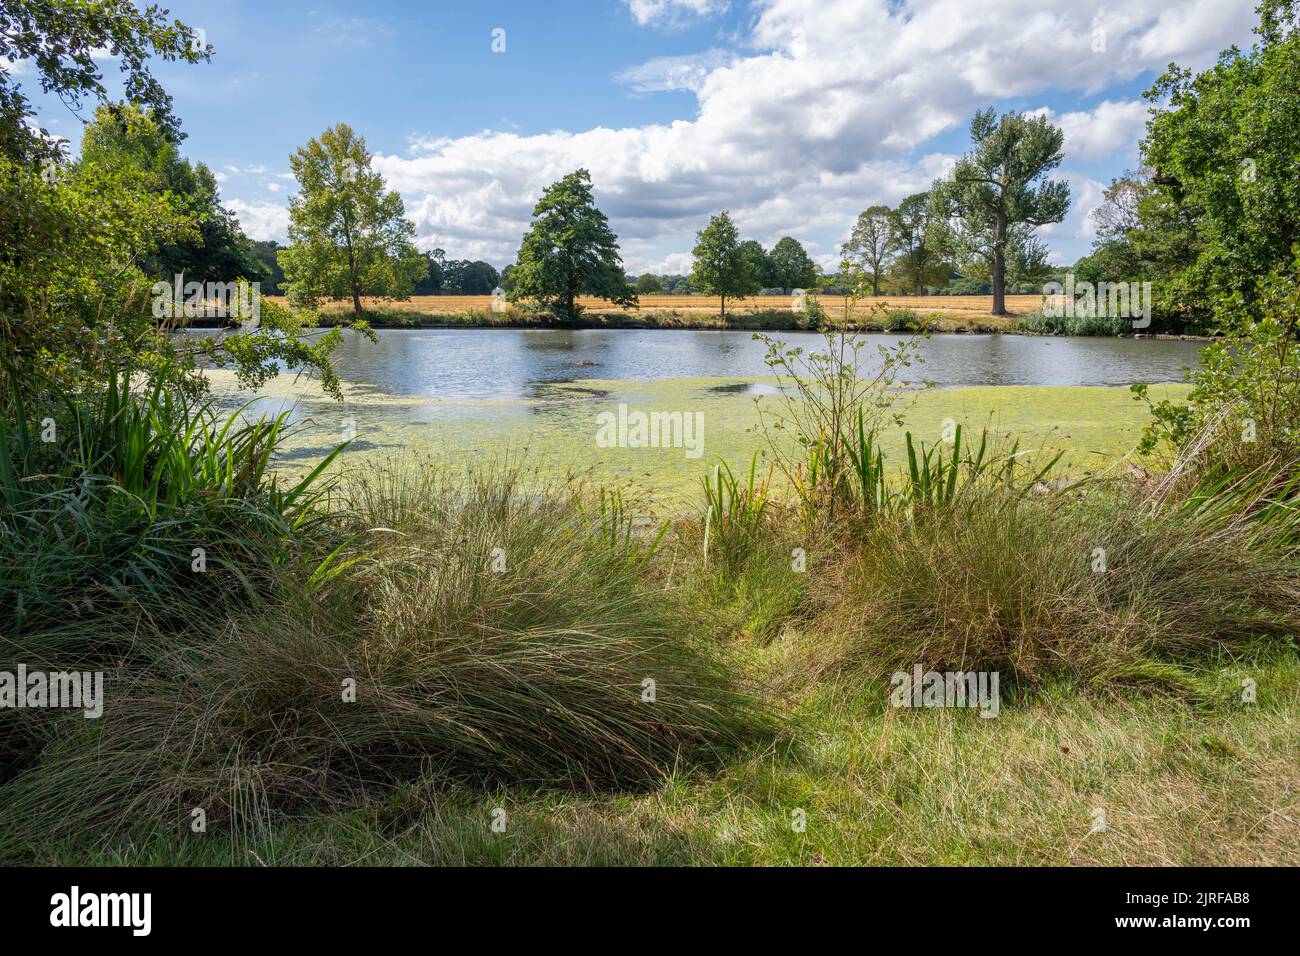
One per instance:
(569,251)
(348,237)
(998,193)
(721,268)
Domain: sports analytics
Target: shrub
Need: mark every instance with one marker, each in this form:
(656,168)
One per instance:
(901,320)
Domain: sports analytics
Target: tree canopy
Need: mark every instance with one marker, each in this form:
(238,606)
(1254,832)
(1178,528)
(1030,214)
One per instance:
(792,268)
(721,267)
(348,236)
(61,38)
(569,251)
(871,244)
(125,134)
(998,194)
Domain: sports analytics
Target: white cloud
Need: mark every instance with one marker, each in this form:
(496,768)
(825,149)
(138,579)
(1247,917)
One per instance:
(261,220)
(1107,129)
(827,106)
(662,12)
(670,73)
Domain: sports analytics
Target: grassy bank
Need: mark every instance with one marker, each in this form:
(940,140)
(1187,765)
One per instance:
(1177,786)
(420,666)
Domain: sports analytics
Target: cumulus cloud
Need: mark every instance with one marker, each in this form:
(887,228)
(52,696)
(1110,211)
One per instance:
(1109,128)
(822,108)
(673,11)
(261,220)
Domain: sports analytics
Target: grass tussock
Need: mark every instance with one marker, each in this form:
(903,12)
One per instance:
(1046,587)
(479,630)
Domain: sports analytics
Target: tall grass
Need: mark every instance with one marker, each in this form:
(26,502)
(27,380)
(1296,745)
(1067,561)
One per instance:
(733,517)
(1049,586)
(481,629)
(139,507)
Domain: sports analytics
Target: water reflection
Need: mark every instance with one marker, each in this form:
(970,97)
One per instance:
(517,364)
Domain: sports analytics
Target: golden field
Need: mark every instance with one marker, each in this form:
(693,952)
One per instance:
(954,306)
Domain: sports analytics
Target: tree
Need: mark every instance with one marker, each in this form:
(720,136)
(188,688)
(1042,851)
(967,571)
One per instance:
(273,277)
(791,266)
(758,261)
(432,283)
(61,39)
(647,284)
(75,308)
(123,133)
(1223,210)
(347,236)
(1118,214)
(720,267)
(871,244)
(463,277)
(997,194)
(920,244)
(569,251)
(507,278)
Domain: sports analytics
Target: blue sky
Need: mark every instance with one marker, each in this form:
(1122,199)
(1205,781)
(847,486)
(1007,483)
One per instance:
(793,114)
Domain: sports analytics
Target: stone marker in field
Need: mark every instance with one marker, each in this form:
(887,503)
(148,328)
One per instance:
(799,301)
(498,299)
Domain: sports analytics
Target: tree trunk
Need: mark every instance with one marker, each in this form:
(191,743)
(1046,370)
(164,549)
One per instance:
(724,310)
(1000,265)
(352,264)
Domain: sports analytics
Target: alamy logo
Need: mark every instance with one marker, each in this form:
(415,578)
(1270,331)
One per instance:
(1087,300)
(103,909)
(637,429)
(209,300)
(949,689)
(70,690)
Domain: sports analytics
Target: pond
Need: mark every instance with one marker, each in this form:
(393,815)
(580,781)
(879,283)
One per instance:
(461,397)
(514,363)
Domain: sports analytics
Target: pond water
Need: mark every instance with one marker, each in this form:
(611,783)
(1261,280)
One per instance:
(461,397)
(515,363)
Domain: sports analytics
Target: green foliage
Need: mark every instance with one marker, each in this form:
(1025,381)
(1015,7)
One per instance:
(792,268)
(901,320)
(759,263)
(1225,197)
(124,134)
(1245,400)
(647,284)
(61,37)
(347,236)
(734,516)
(827,406)
(1039,323)
(72,301)
(721,266)
(100,524)
(920,244)
(998,194)
(871,244)
(569,251)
